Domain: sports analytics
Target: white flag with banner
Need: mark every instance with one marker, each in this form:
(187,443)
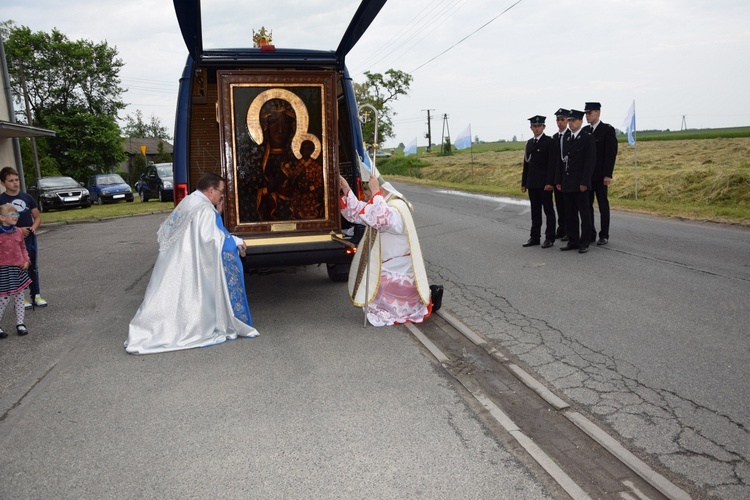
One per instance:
(463,140)
(411,148)
(629,124)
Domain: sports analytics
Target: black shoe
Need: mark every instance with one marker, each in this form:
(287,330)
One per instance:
(583,249)
(2,334)
(602,242)
(436,294)
(565,238)
(568,247)
(532,242)
(21,329)
(548,243)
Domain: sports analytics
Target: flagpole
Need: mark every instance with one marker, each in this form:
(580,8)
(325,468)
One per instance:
(635,157)
(636,167)
(471,147)
(471,152)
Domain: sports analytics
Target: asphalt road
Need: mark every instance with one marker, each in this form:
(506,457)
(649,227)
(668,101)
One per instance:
(648,334)
(316,407)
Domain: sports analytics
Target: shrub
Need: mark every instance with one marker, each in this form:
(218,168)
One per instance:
(407,166)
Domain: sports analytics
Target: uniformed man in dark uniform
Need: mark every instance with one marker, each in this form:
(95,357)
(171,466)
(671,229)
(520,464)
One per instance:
(574,180)
(561,118)
(538,179)
(606,154)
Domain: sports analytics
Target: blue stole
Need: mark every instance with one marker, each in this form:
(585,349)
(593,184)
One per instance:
(235,275)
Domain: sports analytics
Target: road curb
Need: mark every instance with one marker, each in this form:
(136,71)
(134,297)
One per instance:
(528,444)
(669,489)
(661,483)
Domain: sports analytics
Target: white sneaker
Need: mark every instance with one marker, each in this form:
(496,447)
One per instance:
(40,302)
(27,304)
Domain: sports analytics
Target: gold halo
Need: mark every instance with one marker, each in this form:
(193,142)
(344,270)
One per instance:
(303,119)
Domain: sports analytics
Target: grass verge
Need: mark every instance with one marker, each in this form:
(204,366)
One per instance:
(109,210)
(696,179)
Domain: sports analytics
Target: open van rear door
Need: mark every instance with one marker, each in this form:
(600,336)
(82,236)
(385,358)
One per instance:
(189,17)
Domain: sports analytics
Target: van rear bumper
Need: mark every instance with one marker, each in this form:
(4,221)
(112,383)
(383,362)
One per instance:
(287,252)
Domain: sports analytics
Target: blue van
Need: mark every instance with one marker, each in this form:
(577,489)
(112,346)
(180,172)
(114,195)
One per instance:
(156,182)
(287,127)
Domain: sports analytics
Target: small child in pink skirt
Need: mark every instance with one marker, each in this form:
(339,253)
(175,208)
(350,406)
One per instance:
(14,263)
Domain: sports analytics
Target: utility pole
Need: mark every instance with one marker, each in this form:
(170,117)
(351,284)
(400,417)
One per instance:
(684,123)
(445,127)
(429,131)
(28,120)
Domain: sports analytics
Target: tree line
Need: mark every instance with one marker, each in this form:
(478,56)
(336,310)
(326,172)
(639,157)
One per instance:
(72,87)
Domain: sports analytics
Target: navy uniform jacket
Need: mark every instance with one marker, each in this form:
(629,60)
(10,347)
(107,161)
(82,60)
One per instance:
(581,157)
(606,150)
(558,152)
(539,163)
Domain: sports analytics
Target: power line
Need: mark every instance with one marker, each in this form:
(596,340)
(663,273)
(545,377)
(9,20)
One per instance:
(391,48)
(391,42)
(151,90)
(429,28)
(408,120)
(466,37)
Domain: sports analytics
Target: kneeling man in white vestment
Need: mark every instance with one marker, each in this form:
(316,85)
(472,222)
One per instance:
(196,296)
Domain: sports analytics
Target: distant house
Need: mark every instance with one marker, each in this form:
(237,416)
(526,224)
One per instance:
(133,147)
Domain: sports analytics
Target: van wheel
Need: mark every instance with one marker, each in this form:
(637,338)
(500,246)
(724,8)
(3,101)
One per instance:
(42,208)
(161,196)
(338,273)
(100,201)
(142,196)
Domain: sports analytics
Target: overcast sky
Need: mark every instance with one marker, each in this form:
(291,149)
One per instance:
(676,58)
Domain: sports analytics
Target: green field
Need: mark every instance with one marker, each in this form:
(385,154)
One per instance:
(697,175)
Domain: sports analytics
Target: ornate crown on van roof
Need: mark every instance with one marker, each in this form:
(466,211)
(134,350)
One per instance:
(262,37)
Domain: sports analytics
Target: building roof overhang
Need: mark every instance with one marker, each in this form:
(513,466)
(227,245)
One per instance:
(8,129)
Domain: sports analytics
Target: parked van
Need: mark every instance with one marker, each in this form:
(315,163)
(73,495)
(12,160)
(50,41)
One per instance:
(156,182)
(280,125)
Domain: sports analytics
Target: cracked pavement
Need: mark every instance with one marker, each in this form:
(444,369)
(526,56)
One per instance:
(708,448)
(647,336)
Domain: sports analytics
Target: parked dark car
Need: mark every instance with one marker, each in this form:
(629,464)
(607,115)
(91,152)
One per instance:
(59,192)
(108,188)
(156,182)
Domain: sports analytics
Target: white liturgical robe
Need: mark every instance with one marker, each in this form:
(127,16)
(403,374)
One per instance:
(387,272)
(187,302)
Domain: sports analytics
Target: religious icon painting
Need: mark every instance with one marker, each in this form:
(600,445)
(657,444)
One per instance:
(277,137)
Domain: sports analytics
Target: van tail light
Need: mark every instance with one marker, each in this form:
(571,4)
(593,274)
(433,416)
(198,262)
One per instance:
(180,191)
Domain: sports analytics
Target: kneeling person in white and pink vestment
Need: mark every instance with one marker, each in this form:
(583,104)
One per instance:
(388,272)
